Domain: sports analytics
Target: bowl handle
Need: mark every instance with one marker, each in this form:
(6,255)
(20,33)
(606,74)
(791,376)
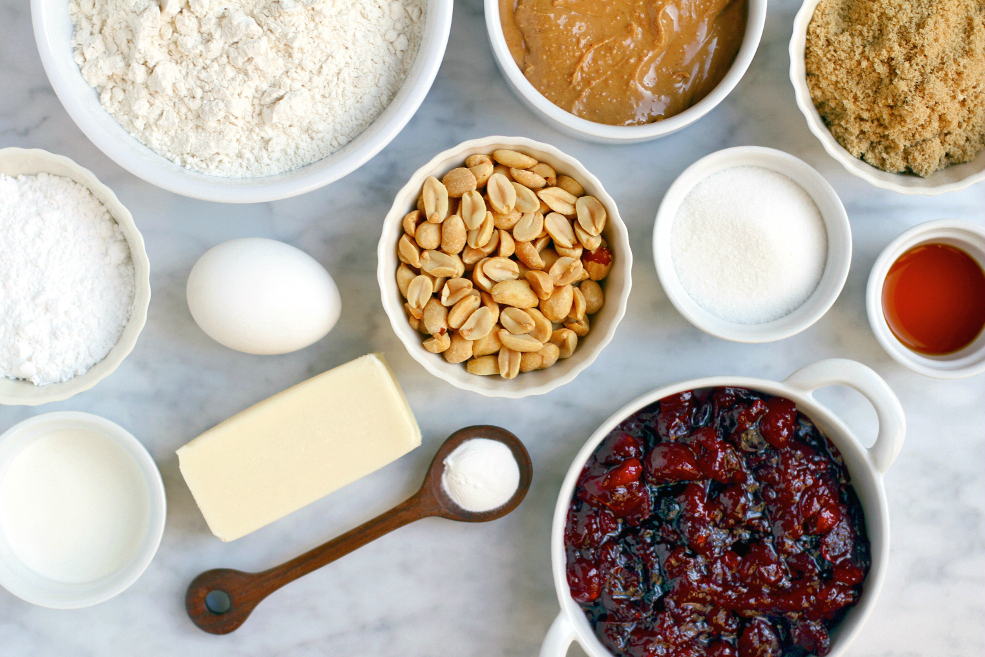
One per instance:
(559,638)
(840,371)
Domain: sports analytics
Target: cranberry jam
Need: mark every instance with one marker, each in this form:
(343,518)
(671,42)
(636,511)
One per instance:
(716,522)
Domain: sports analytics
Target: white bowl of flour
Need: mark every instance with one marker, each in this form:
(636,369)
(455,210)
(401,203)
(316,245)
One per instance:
(69,303)
(243,101)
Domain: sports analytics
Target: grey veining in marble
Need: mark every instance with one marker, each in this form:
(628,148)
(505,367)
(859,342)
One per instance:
(440,588)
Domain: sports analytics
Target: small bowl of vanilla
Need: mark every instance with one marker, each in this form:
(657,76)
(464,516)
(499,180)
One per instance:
(751,244)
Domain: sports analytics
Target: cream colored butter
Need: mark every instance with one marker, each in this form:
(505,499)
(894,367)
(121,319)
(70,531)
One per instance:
(298,446)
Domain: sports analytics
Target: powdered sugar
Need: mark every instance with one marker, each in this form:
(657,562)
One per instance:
(245,88)
(748,244)
(66,279)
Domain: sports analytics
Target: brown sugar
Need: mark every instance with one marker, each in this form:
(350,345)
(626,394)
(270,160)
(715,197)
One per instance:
(900,83)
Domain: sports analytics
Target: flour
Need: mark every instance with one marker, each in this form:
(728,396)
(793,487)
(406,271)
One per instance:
(66,279)
(245,88)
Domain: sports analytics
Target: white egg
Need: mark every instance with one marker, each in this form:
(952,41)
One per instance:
(262,296)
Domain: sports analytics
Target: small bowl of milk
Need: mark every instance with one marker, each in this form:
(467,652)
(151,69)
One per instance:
(82,509)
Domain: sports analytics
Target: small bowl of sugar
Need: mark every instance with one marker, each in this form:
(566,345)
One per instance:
(751,244)
(75,278)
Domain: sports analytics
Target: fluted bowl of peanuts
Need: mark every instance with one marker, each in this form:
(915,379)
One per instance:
(504,267)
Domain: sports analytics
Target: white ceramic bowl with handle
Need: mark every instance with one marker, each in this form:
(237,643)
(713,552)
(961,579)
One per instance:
(837,229)
(866,465)
(41,590)
(964,235)
(951,179)
(53,32)
(19,161)
(581,128)
(616,285)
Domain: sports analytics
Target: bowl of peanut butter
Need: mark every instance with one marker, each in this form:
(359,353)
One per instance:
(624,71)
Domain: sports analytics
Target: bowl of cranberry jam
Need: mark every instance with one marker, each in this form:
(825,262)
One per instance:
(716,521)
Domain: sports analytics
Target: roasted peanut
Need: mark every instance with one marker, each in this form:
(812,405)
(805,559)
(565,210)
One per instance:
(455,290)
(502,195)
(477,159)
(482,171)
(418,293)
(428,236)
(549,256)
(566,340)
(441,264)
(528,255)
(489,303)
(479,278)
(528,179)
(411,220)
(578,306)
(507,221)
(526,200)
(458,181)
(598,262)
(478,325)
(546,172)
(591,214)
(492,245)
(462,310)
(531,361)
(580,327)
(460,349)
(408,251)
(435,317)
(500,269)
(509,363)
(515,293)
(404,276)
(472,209)
(438,343)
(529,227)
(483,366)
(557,307)
(590,242)
(594,298)
(565,271)
(489,344)
(570,185)
(471,256)
(541,283)
(507,245)
(519,342)
(415,313)
(575,252)
(543,328)
(560,230)
(516,321)
(453,234)
(513,159)
(558,200)
(479,237)
(435,200)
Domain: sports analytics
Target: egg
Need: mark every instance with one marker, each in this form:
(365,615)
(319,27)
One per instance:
(262,296)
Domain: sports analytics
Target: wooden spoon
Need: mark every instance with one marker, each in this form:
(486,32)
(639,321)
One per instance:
(221,600)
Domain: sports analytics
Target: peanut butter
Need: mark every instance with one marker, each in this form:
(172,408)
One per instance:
(624,62)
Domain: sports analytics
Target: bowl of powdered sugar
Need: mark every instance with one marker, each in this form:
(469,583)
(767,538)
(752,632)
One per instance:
(74,279)
(241,101)
(751,244)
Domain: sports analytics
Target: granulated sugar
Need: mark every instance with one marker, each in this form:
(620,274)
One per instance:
(748,244)
(66,279)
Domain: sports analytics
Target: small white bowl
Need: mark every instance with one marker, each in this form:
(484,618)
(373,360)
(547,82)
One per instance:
(17,162)
(866,465)
(951,179)
(37,589)
(964,235)
(53,32)
(836,224)
(603,326)
(613,134)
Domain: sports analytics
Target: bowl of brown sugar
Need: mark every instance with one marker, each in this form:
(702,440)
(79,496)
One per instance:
(895,89)
(620,72)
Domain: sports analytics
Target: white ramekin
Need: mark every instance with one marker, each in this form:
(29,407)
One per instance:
(36,589)
(17,162)
(836,224)
(964,235)
(53,33)
(866,465)
(603,325)
(612,134)
(951,179)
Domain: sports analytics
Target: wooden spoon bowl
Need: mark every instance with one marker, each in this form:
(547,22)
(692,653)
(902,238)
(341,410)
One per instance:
(220,600)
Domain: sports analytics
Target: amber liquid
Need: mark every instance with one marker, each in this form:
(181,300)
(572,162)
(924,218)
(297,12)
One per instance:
(934,299)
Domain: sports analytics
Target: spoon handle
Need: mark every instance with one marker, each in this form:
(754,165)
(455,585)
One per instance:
(234,594)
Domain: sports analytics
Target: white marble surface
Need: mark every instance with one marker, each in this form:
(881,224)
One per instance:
(437,587)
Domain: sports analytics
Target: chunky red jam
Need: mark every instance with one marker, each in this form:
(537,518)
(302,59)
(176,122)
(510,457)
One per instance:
(716,522)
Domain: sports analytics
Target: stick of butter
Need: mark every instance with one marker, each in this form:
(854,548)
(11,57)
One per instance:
(298,446)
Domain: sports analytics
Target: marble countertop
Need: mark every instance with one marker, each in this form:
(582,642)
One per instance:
(439,587)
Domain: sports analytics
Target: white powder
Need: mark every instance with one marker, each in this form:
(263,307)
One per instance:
(245,88)
(748,244)
(66,279)
(481,475)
